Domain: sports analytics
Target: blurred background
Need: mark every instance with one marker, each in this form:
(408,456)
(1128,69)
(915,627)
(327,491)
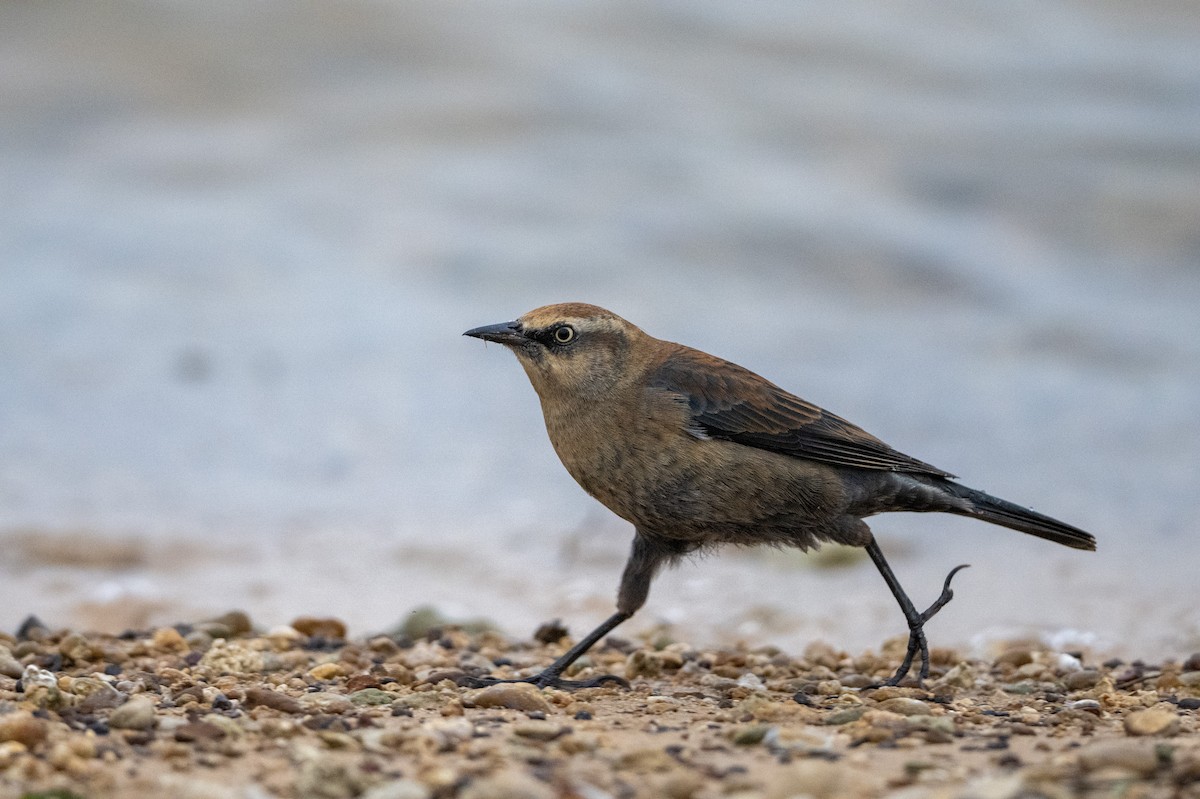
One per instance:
(239,244)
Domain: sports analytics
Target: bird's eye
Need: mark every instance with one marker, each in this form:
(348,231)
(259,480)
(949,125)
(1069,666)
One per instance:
(564,334)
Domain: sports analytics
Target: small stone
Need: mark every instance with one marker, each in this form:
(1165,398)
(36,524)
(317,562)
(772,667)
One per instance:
(136,714)
(198,731)
(1082,680)
(846,716)
(1192,663)
(372,696)
(169,639)
(1139,757)
(1086,705)
(326,671)
(398,789)
(1152,721)
(1017,657)
(508,784)
(9,665)
(751,734)
(315,627)
(24,728)
(1190,678)
(229,625)
(753,682)
(517,696)
(225,657)
(537,730)
(905,706)
(275,700)
(97,694)
(996,786)
(326,702)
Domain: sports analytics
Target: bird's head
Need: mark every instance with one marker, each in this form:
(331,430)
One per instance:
(570,350)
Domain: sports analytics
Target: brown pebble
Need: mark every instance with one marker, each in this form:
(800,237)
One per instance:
(1152,721)
(315,627)
(235,623)
(1192,663)
(1081,680)
(905,706)
(517,696)
(1017,657)
(275,700)
(169,639)
(198,731)
(23,728)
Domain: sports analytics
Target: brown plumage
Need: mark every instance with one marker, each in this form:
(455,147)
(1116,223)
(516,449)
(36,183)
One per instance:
(696,451)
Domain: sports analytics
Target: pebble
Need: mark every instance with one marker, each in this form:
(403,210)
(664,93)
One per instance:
(751,734)
(198,731)
(398,789)
(169,639)
(316,627)
(225,657)
(275,700)
(1086,705)
(1082,680)
(227,625)
(507,784)
(753,682)
(906,706)
(1017,657)
(9,665)
(516,696)
(326,671)
(326,702)
(1190,678)
(846,716)
(540,730)
(23,728)
(1139,757)
(1152,721)
(372,696)
(136,714)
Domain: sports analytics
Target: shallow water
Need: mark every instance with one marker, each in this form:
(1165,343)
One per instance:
(240,243)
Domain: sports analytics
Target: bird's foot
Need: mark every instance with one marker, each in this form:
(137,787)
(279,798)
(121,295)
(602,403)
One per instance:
(544,679)
(916,633)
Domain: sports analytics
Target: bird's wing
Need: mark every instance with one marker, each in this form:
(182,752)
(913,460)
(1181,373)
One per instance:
(732,403)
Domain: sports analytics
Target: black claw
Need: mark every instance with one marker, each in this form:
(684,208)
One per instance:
(916,633)
(944,598)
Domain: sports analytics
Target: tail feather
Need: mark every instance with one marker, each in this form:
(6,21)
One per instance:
(1007,514)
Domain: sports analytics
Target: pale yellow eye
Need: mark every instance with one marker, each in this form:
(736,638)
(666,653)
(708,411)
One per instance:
(564,334)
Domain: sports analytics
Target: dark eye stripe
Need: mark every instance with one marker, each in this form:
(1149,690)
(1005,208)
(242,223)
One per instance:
(550,336)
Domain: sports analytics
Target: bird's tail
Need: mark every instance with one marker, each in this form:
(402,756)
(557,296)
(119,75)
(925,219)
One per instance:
(1007,514)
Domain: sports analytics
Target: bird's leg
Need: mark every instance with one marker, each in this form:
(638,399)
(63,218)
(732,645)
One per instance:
(916,620)
(644,560)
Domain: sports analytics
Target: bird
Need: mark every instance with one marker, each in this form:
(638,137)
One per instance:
(697,452)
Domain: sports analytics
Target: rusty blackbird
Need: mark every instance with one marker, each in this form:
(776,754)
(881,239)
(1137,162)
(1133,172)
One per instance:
(696,452)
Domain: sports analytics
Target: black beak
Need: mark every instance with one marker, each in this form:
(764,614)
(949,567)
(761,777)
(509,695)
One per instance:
(503,333)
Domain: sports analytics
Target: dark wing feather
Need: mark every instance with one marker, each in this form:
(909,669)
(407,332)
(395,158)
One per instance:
(732,403)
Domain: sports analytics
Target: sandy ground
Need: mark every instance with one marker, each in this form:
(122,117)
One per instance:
(216,709)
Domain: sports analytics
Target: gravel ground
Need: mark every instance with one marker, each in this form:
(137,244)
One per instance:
(218,709)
